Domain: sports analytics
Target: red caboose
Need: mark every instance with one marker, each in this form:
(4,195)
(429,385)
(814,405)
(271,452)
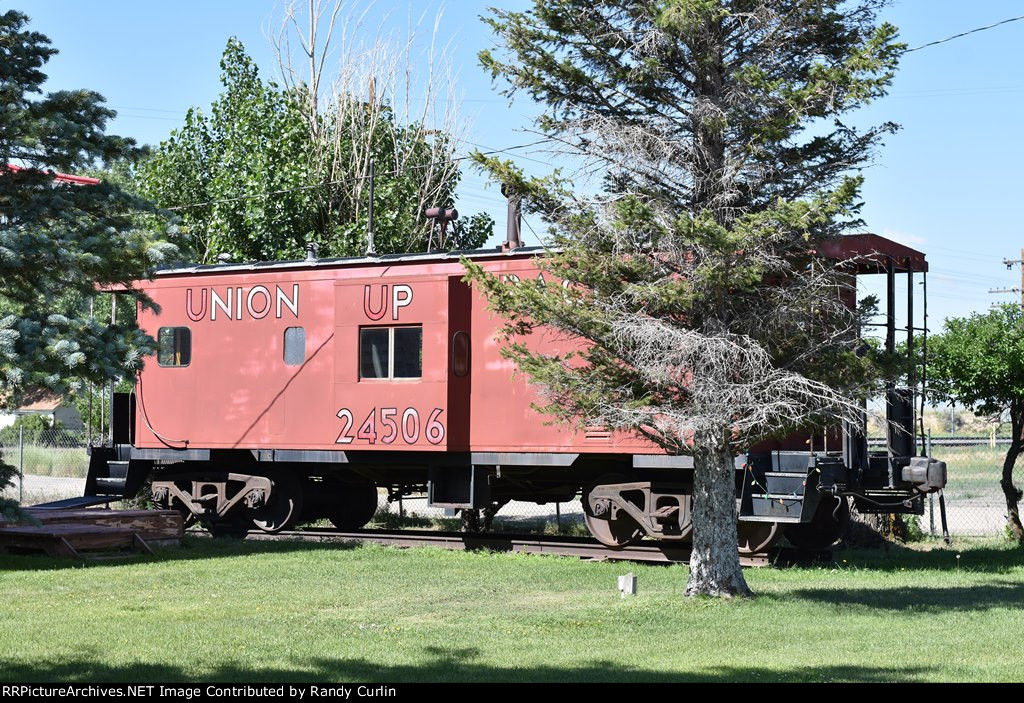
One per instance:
(392,355)
(293,391)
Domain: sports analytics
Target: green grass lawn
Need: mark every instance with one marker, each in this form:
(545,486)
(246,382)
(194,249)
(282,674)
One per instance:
(248,611)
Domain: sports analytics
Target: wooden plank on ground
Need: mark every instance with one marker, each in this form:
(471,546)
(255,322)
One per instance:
(67,539)
(151,525)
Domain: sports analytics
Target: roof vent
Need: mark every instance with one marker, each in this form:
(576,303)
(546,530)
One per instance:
(442,216)
(514,237)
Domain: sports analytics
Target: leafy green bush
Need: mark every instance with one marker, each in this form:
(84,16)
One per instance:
(36,430)
(32,427)
(914,533)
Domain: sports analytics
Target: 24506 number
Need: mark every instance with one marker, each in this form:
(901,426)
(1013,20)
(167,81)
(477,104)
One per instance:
(392,426)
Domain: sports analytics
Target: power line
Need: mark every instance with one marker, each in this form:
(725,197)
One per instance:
(532,231)
(180,113)
(1010,263)
(968,252)
(546,140)
(123,115)
(342,181)
(964,34)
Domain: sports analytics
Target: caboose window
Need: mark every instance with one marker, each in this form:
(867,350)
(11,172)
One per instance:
(294,346)
(373,352)
(174,346)
(460,353)
(408,352)
(391,352)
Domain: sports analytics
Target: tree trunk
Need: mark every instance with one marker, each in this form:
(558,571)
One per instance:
(1012,495)
(886,528)
(715,559)
(1010,492)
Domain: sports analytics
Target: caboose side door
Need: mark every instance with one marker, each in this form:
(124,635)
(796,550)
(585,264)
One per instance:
(460,337)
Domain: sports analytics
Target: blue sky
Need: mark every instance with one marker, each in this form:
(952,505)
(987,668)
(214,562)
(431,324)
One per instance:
(947,183)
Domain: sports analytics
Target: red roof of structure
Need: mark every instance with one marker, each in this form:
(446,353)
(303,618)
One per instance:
(34,400)
(872,253)
(46,404)
(62,177)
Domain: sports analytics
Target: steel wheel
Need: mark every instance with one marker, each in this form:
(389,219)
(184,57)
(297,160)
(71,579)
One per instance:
(756,537)
(615,534)
(284,507)
(352,504)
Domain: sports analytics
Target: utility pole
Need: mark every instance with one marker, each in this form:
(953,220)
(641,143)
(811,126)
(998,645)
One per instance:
(1009,265)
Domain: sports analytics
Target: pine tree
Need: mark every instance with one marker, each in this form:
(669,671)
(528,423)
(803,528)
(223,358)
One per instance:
(60,238)
(710,321)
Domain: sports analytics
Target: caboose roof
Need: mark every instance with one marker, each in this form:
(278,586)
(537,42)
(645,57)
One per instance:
(871,253)
(342,262)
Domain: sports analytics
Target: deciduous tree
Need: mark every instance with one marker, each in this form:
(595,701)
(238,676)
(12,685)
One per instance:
(271,170)
(978,362)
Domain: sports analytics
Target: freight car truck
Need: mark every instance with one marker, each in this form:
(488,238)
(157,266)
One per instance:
(293,391)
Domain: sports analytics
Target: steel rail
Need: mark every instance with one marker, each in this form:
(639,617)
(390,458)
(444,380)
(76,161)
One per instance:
(582,547)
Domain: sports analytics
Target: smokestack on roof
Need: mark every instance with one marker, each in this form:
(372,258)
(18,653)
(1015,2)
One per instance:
(514,236)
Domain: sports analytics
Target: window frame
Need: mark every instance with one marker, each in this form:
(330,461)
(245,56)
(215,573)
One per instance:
(284,345)
(159,334)
(390,378)
(460,362)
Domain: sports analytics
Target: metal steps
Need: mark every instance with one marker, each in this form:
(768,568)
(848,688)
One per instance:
(779,497)
(114,482)
(113,474)
(80,502)
(783,486)
(106,483)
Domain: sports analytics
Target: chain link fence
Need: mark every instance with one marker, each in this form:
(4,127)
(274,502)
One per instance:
(53,465)
(975,504)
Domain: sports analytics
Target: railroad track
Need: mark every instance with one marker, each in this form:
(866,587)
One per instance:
(581,547)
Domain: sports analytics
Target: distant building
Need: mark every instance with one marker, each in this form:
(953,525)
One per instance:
(50,407)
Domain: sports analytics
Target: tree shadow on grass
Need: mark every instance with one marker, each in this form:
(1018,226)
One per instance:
(916,599)
(997,559)
(440,665)
(192,548)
